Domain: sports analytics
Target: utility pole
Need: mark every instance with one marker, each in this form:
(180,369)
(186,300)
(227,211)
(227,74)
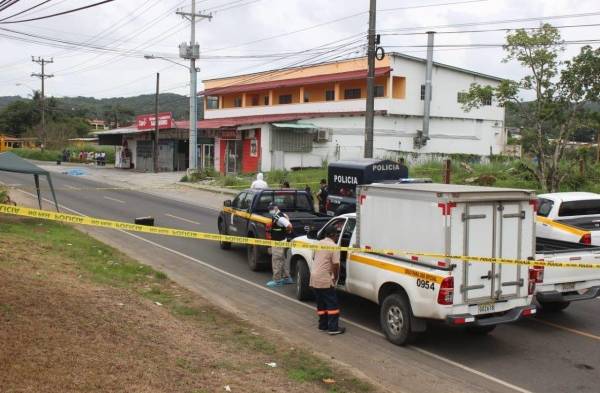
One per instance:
(423,136)
(43,76)
(156,125)
(192,52)
(370,111)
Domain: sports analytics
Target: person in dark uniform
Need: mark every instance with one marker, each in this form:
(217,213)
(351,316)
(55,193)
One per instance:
(322,196)
(403,169)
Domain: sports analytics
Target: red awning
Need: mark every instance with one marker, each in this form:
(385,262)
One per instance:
(308,80)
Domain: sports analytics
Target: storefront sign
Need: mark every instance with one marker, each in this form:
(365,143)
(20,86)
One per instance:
(230,134)
(147,122)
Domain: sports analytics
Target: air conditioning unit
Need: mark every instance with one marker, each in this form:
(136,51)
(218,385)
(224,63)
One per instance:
(250,134)
(322,135)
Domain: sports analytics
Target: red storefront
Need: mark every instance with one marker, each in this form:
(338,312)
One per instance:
(239,151)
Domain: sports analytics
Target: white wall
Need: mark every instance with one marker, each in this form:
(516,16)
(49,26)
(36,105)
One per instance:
(393,136)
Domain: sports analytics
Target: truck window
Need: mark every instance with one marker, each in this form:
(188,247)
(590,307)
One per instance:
(285,200)
(247,201)
(579,208)
(338,224)
(544,207)
(237,202)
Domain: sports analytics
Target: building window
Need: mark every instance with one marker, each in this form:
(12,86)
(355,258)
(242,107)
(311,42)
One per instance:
(285,99)
(306,97)
(379,91)
(487,100)
(253,148)
(461,97)
(350,94)
(329,95)
(212,102)
(423,92)
(266,100)
(237,102)
(254,101)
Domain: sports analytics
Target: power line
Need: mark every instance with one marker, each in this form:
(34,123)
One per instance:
(59,13)
(7,4)
(24,11)
(494,22)
(311,27)
(507,29)
(576,42)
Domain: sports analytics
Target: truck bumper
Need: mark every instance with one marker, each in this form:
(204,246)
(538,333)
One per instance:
(512,315)
(559,297)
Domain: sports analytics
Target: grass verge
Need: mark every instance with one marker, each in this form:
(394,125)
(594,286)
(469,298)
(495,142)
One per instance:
(101,321)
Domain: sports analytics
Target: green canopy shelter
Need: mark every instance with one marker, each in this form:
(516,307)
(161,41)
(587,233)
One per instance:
(10,162)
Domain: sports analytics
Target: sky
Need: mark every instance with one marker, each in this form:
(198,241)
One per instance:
(246,36)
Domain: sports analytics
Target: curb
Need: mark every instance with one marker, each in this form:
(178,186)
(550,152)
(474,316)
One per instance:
(216,190)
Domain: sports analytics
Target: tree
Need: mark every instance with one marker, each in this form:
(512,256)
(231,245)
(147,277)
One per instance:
(116,115)
(561,90)
(17,117)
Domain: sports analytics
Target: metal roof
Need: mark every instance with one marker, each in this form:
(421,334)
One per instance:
(307,80)
(442,65)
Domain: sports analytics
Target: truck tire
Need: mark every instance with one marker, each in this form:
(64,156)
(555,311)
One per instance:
(303,291)
(256,258)
(223,231)
(554,306)
(480,330)
(394,317)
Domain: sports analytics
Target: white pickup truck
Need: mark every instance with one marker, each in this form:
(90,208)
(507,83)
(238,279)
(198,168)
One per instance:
(449,220)
(442,219)
(568,228)
(570,217)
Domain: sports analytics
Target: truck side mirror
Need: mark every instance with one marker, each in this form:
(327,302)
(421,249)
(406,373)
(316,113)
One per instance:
(227,203)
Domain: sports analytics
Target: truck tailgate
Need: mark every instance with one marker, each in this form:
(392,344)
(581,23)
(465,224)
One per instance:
(568,276)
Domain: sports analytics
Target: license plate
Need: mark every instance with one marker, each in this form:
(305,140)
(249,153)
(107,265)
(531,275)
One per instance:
(569,286)
(487,307)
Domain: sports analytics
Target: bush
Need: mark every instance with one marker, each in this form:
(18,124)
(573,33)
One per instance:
(4,196)
(38,154)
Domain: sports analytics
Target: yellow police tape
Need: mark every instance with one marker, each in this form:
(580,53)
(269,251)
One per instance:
(164,231)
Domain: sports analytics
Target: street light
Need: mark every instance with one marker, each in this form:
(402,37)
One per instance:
(193,141)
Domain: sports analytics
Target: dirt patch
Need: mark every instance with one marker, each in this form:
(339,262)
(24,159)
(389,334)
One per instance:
(108,324)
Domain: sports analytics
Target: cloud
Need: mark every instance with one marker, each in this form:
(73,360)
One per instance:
(153,27)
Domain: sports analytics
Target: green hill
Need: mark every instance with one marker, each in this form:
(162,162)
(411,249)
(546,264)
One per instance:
(91,107)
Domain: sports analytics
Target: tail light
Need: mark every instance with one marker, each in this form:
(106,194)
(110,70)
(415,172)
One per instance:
(535,203)
(268,231)
(536,276)
(586,239)
(446,293)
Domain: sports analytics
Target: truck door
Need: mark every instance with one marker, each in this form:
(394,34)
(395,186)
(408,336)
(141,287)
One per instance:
(510,232)
(477,238)
(233,223)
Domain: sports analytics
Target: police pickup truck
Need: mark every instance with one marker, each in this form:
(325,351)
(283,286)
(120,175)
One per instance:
(450,220)
(344,176)
(434,219)
(248,215)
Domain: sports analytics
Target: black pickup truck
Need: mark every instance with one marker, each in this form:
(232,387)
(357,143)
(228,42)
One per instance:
(248,215)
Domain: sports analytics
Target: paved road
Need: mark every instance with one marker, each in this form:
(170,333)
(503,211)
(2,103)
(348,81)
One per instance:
(552,353)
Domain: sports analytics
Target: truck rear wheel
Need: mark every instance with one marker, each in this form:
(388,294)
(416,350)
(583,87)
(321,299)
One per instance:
(303,291)
(554,306)
(222,231)
(480,330)
(394,317)
(256,257)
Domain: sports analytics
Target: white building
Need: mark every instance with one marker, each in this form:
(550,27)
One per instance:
(301,117)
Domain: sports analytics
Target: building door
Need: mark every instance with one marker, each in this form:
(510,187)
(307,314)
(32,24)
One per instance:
(232,156)
(206,154)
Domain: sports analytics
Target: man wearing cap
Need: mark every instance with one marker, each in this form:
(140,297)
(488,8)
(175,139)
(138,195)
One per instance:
(280,228)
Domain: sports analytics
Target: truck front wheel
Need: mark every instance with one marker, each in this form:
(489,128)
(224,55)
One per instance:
(303,291)
(554,306)
(395,315)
